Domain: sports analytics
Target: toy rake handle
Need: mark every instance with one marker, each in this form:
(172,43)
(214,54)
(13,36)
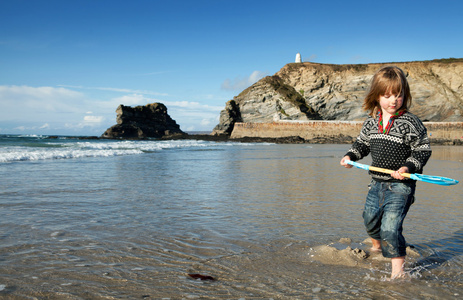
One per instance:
(376,169)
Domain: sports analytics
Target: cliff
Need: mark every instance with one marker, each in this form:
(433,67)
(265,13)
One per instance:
(149,121)
(311,91)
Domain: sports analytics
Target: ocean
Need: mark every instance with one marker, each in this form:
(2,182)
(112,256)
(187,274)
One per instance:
(106,219)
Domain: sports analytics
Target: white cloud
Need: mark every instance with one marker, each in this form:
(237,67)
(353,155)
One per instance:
(239,83)
(93,120)
(118,90)
(129,100)
(195,106)
(255,76)
(194,116)
(31,102)
(206,122)
(88,121)
(312,57)
(189,128)
(33,128)
(44,109)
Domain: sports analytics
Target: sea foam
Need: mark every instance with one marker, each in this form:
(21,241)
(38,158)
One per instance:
(36,149)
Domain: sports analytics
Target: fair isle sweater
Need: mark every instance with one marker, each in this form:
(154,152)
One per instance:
(406,144)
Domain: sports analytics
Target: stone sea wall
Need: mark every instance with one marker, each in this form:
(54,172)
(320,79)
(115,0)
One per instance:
(439,132)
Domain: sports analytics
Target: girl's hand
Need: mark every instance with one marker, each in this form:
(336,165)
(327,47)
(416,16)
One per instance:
(343,162)
(398,174)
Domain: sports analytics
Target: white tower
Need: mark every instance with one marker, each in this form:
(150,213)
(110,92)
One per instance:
(298,58)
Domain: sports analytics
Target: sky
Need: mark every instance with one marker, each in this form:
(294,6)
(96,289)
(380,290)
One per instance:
(65,66)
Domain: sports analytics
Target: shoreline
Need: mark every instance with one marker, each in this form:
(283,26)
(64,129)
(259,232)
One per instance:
(340,139)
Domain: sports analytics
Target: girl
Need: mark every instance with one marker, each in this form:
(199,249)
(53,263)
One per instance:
(396,140)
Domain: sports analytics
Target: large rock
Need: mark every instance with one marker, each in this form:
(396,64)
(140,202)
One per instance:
(149,121)
(268,100)
(228,117)
(303,91)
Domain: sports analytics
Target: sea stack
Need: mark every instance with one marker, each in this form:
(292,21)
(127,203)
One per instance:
(140,122)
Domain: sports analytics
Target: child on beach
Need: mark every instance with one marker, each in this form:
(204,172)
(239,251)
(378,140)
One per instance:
(396,140)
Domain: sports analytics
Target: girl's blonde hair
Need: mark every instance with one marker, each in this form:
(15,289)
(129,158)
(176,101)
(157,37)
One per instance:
(387,80)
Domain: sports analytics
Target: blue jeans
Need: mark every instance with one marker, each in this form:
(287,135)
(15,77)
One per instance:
(386,206)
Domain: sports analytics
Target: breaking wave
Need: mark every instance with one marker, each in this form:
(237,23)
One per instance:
(36,148)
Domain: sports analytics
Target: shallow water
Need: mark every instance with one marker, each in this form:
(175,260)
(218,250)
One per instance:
(130,220)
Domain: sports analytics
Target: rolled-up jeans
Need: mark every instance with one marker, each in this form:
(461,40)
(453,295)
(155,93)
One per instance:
(386,206)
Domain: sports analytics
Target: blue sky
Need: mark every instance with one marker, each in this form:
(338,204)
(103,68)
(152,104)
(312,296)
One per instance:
(65,66)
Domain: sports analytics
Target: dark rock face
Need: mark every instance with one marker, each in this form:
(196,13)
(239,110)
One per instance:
(149,121)
(228,117)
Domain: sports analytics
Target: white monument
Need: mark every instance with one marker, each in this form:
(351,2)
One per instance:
(298,58)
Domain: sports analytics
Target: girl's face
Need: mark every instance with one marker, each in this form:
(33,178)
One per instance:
(390,103)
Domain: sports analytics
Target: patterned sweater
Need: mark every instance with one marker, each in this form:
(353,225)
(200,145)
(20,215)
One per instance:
(406,144)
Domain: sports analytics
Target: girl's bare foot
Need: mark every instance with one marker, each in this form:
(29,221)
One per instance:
(376,245)
(399,275)
(398,267)
(403,276)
